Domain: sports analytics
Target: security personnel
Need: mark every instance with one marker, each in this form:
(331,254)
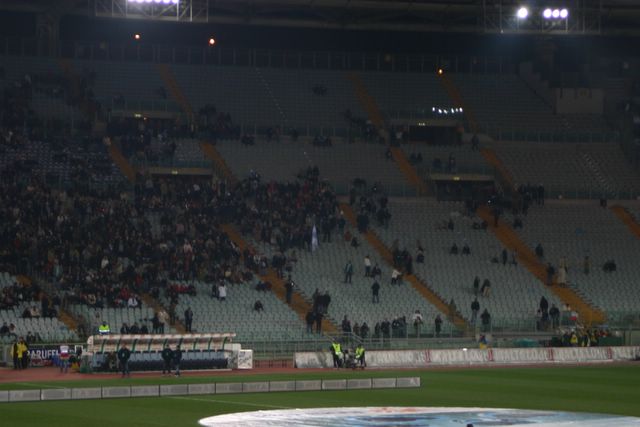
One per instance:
(123,357)
(167,358)
(23,354)
(336,351)
(360,356)
(177,358)
(104,328)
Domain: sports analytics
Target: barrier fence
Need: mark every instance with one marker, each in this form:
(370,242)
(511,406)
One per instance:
(475,356)
(203,389)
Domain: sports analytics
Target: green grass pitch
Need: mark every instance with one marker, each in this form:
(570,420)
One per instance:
(605,389)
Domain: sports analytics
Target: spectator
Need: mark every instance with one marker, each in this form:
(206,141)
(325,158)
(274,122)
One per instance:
(485,317)
(438,325)
(348,272)
(375,292)
(417,322)
(396,277)
(367,266)
(475,308)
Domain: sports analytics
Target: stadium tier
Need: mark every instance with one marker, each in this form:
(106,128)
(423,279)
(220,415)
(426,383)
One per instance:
(571,231)
(514,295)
(341,164)
(590,170)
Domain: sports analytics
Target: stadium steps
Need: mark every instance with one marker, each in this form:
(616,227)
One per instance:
(421,287)
(367,102)
(124,165)
(456,97)
(157,306)
(220,165)
(171,83)
(298,303)
(509,238)
(625,216)
(409,171)
(492,158)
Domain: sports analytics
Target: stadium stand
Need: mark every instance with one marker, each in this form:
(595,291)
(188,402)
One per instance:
(28,313)
(491,98)
(570,170)
(514,293)
(237,313)
(571,231)
(340,164)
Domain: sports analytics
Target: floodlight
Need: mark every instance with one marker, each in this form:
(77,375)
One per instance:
(136,36)
(433,109)
(564,13)
(556,13)
(212,41)
(547,13)
(440,71)
(522,13)
(439,111)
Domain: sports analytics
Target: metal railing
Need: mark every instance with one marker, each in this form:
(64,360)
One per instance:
(272,58)
(565,136)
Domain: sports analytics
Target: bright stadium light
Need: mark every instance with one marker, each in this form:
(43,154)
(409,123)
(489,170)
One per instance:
(556,13)
(547,13)
(564,13)
(522,13)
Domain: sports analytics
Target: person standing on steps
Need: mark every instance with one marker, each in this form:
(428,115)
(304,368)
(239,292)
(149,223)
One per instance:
(288,286)
(188,319)
(375,292)
(348,272)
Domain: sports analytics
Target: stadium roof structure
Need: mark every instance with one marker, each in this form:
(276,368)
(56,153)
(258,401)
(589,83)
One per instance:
(606,17)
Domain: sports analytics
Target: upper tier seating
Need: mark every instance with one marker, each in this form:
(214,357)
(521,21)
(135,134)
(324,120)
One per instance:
(340,164)
(572,170)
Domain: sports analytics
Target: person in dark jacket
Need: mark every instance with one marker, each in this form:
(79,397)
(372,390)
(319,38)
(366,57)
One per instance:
(123,357)
(177,358)
(188,319)
(167,357)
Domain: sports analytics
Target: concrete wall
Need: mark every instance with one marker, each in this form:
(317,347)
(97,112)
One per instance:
(200,389)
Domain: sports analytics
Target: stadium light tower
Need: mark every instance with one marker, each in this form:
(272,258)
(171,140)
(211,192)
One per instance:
(522,13)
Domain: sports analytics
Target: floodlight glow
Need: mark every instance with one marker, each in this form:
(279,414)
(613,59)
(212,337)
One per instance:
(212,41)
(439,111)
(564,13)
(547,13)
(523,12)
(433,108)
(556,13)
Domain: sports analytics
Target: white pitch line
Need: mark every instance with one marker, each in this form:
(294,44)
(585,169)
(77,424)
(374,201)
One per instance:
(232,402)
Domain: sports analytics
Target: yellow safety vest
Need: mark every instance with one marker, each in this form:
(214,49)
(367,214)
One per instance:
(104,329)
(336,349)
(359,352)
